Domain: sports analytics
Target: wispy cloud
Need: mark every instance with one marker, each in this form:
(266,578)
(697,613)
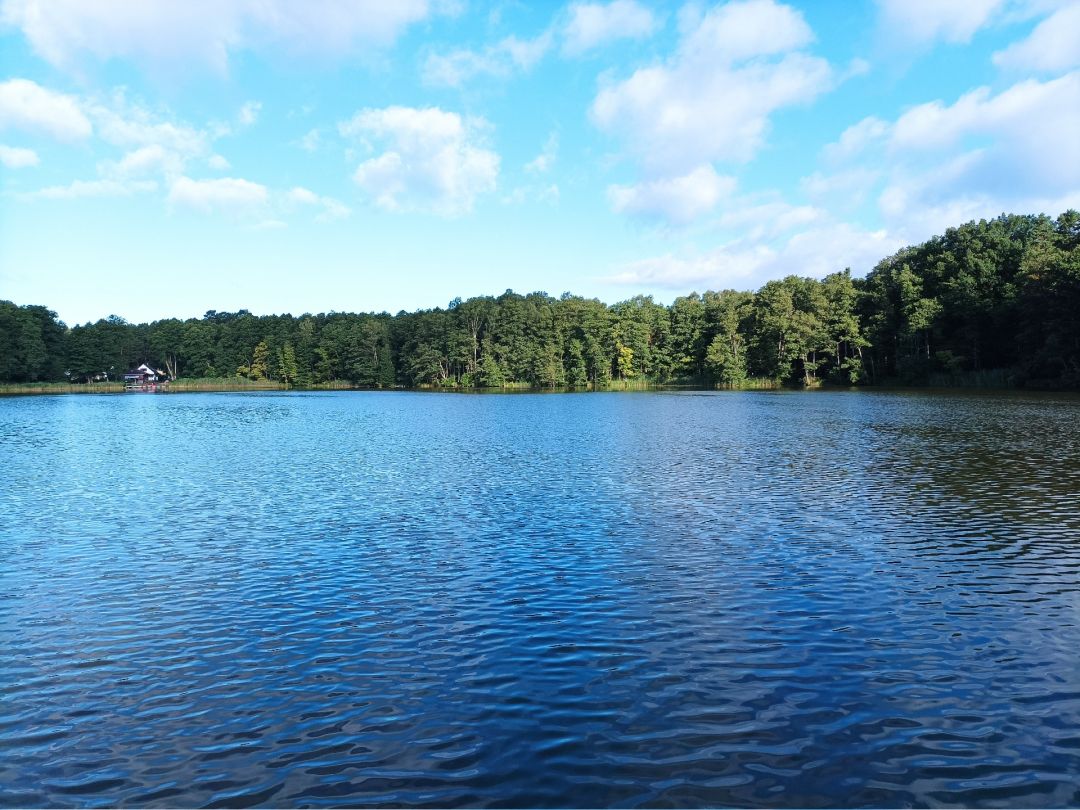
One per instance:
(747,263)
(249,113)
(593,25)
(500,60)
(79,189)
(1053,46)
(165,34)
(224,194)
(545,161)
(15,157)
(310,141)
(329,208)
(928,21)
(581,28)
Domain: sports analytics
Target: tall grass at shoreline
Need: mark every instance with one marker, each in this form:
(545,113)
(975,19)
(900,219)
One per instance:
(986,380)
(227,384)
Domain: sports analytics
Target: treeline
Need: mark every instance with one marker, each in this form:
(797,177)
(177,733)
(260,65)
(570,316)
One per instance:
(1000,295)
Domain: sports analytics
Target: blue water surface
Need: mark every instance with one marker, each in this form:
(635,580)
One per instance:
(663,599)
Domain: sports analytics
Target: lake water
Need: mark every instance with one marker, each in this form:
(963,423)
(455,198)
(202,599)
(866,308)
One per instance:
(666,599)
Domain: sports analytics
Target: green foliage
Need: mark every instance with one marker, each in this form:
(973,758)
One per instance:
(577,374)
(31,344)
(625,361)
(989,300)
(725,362)
(259,359)
(994,294)
(727,314)
(287,368)
(257,368)
(490,374)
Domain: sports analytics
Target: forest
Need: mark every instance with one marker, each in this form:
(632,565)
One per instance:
(991,300)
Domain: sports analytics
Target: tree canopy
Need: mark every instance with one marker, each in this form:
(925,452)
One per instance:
(1000,294)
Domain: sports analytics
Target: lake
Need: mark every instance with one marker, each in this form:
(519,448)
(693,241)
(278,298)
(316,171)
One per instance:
(608,599)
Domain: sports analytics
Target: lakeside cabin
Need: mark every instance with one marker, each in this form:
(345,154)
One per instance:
(145,378)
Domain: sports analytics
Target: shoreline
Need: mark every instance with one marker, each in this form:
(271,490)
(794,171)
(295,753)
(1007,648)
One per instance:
(226,386)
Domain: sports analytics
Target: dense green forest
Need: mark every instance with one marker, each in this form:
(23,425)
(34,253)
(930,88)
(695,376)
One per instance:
(999,296)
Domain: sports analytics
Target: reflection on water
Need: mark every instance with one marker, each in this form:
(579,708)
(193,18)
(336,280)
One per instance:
(360,599)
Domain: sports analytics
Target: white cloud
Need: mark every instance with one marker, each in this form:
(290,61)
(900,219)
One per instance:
(164,32)
(941,163)
(222,194)
(542,163)
(1054,45)
(128,124)
(720,269)
(336,26)
(15,157)
(845,188)
(525,53)
(933,125)
(303,196)
(1032,126)
(748,263)
(331,209)
(856,67)
(711,100)
(155,144)
(155,147)
(745,29)
(678,200)
(310,141)
(249,113)
(247,200)
(499,60)
(29,106)
(432,160)
(734,66)
(927,21)
(832,247)
(538,192)
(769,219)
(145,160)
(855,139)
(920,202)
(590,25)
(95,188)
(62,31)
(455,68)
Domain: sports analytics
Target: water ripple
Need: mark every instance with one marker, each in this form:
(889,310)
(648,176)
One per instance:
(759,599)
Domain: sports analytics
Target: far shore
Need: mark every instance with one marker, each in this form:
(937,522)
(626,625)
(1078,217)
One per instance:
(240,384)
(176,386)
(234,385)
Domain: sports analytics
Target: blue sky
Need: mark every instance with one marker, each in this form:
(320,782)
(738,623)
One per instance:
(165,158)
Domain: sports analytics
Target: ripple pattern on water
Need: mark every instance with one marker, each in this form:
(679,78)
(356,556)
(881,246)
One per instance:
(743,599)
